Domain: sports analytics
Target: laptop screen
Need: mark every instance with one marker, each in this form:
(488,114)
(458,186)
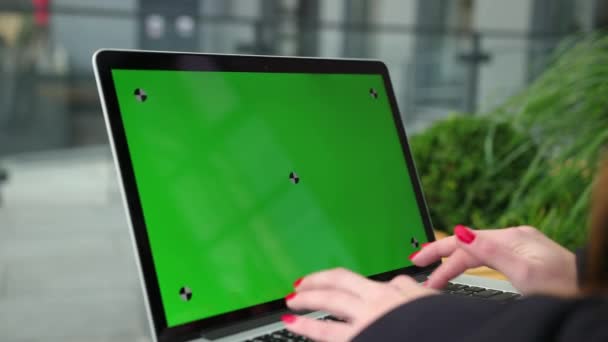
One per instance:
(249,180)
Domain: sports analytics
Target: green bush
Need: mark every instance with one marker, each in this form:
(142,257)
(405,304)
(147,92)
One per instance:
(559,124)
(467,166)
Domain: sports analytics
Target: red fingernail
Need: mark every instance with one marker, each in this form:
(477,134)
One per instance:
(426,244)
(413,255)
(288,319)
(290,296)
(464,234)
(297,282)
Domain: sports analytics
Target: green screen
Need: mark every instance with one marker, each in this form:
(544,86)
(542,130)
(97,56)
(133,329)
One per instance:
(213,155)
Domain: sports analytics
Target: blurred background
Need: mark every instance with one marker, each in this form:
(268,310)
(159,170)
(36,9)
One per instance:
(505,102)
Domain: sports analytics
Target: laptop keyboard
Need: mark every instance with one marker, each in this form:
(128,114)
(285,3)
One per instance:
(479,292)
(280,336)
(451,289)
(286,335)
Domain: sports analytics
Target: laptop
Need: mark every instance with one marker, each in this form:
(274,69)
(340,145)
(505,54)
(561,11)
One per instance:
(241,174)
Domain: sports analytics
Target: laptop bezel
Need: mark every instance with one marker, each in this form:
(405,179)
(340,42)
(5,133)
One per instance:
(104,61)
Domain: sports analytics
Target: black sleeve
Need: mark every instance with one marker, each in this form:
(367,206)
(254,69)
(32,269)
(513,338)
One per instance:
(452,318)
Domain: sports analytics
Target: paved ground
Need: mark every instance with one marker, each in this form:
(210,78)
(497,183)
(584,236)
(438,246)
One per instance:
(67,271)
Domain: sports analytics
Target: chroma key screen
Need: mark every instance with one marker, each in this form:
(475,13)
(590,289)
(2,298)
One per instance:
(249,181)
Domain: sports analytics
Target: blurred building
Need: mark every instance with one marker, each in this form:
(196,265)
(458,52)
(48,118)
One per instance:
(444,55)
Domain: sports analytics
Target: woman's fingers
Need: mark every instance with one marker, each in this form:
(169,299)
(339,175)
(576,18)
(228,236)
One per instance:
(454,266)
(403,283)
(338,303)
(491,248)
(347,295)
(317,330)
(339,279)
(433,252)
(467,249)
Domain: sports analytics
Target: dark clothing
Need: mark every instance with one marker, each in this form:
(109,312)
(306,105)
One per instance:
(452,318)
(534,318)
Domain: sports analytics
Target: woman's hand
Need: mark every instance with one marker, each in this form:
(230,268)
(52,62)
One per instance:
(349,296)
(532,262)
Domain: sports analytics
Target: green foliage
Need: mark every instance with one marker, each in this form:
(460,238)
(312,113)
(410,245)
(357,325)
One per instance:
(561,122)
(467,166)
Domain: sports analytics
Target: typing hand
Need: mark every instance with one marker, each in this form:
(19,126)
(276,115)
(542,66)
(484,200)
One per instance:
(349,296)
(532,262)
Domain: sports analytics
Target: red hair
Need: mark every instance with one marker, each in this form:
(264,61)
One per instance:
(596,277)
